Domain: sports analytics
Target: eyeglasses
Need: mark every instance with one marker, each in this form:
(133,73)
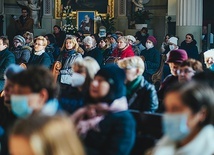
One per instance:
(185,71)
(38,44)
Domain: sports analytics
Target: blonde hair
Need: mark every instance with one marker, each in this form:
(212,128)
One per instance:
(30,35)
(130,62)
(73,39)
(54,135)
(123,38)
(45,42)
(88,65)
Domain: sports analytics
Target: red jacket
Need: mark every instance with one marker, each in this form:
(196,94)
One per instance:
(126,52)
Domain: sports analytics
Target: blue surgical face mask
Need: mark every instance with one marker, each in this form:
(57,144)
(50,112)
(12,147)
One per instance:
(19,105)
(175,126)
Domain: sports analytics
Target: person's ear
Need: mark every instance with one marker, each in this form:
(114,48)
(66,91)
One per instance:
(203,114)
(43,96)
(138,71)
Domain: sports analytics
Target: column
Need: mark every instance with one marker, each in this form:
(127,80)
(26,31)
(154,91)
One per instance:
(189,19)
(121,19)
(47,17)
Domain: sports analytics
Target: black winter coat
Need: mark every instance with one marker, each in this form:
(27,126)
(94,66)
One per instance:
(145,98)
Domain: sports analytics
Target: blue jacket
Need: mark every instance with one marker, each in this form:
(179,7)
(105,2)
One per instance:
(6,58)
(43,60)
(116,136)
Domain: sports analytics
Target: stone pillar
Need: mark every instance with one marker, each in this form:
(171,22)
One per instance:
(189,19)
(121,19)
(47,18)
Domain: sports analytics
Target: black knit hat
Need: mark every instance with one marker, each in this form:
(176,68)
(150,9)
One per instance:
(115,76)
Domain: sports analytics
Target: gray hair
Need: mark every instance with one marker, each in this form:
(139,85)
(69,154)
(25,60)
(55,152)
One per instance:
(89,40)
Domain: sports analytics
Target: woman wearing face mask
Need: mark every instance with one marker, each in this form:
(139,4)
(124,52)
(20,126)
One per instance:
(189,45)
(188,121)
(172,45)
(84,71)
(152,58)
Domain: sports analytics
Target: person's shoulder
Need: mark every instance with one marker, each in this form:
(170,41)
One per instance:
(146,84)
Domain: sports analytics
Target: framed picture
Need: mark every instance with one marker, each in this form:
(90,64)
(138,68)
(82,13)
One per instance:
(103,7)
(85,21)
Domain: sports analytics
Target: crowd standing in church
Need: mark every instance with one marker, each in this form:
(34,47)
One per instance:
(100,83)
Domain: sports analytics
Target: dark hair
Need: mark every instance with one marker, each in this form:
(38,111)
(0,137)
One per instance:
(206,77)
(57,27)
(28,11)
(144,28)
(37,78)
(115,76)
(197,96)
(51,38)
(191,35)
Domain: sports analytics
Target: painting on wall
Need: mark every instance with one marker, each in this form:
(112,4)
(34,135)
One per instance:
(101,6)
(85,21)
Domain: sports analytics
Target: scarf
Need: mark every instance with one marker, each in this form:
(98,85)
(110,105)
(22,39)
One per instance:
(132,86)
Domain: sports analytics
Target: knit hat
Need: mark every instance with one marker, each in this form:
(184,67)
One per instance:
(152,39)
(115,76)
(114,36)
(132,38)
(11,70)
(178,56)
(209,53)
(173,40)
(20,38)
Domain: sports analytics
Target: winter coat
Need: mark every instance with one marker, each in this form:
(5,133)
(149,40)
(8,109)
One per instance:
(115,134)
(22,54)
(152,60)
(6,58)
(144,97)
(96,54)
(126,52)
(42,60)
(191,49)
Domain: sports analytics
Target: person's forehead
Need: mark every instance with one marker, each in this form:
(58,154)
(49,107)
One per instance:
(19,89)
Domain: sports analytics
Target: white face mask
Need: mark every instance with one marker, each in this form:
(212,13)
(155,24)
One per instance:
(149,45)
(77,80)
(175,126)
(172,47)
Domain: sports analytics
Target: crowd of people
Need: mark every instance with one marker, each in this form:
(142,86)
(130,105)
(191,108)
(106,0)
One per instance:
(102,80)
